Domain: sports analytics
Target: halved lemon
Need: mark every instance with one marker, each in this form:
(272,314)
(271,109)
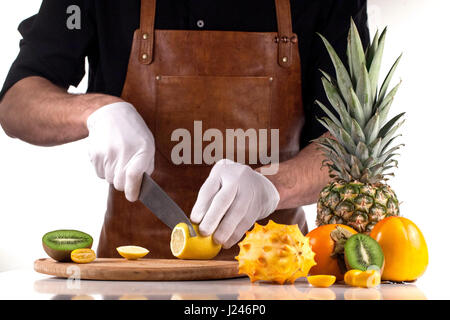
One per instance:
(82,255)
(321,281)
(183,246)
(132,252)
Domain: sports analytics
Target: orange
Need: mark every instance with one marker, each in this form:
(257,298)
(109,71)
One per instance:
(323,247)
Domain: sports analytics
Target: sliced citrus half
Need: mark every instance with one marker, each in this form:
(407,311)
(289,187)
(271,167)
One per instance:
(82,255)
(183,246)
(132,252)
(321,281)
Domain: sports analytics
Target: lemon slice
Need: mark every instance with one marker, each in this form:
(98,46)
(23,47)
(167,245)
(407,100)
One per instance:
(132,252)
(183,246)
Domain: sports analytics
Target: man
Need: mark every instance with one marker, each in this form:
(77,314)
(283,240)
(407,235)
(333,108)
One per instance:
(213,65)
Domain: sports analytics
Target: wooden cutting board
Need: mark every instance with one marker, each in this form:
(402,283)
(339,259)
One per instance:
(140,270)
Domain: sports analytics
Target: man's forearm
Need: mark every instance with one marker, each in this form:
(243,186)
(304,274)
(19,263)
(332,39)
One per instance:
(300,179)
(38,112)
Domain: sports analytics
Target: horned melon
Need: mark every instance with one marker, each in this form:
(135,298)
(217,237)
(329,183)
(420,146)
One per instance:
(275,252)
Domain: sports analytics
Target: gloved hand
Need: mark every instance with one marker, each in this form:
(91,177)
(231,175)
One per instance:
(232,198)
(121,147)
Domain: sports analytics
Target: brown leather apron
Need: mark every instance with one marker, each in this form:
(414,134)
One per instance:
(226,80)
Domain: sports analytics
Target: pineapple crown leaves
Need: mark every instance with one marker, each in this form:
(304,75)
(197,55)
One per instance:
(362,135)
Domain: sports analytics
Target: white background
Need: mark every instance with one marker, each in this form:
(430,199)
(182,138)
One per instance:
(43,189)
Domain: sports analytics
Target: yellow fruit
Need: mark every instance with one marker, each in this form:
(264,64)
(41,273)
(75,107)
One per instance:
(350,276)
(82,255)
(183,246)
(132,252)
(404,247)
(364,279)
(321,281)
(275,252)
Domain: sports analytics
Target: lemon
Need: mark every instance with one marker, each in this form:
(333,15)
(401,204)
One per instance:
(132,252)
(321,281)
(183,246)
(82,255)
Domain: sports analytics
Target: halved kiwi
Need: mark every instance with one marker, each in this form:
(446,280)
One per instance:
(362,252)
(59,244)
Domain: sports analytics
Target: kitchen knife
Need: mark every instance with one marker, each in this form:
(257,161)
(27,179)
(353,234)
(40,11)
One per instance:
(162,206)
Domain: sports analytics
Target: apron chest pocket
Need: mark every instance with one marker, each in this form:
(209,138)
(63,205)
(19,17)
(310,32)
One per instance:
(194,104)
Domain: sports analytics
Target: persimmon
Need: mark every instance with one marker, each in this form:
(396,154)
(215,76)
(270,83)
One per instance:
(404,247)
(324,247)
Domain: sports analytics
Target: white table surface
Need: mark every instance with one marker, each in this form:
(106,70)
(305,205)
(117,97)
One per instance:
(27,284)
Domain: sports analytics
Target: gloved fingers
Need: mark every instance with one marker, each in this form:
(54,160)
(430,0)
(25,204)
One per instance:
(99,169)
(119,178)
(219,206)
(109,169)
(133,176)
(205,196)
(272,193)
(235,214)
(97,163)
(239,232)
(149,151)
(117,133)
(150,166)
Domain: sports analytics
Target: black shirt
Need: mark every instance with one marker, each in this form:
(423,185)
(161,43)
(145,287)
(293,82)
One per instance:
(51,50)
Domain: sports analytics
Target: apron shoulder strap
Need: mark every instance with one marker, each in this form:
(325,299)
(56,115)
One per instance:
(147,30)
(284,39)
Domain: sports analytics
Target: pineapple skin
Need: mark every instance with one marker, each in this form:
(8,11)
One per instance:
(360,154)
(358,205)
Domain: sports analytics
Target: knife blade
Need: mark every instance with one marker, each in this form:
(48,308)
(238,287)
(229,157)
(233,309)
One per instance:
(162,206)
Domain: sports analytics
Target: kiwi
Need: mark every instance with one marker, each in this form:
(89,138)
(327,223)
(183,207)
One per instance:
(59,244)
(362,252)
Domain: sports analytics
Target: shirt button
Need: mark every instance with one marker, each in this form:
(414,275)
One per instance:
(200,23)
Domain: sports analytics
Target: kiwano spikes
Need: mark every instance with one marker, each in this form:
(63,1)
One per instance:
(276,253)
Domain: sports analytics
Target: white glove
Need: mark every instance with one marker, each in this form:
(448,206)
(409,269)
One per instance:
(232,198)
(121,147)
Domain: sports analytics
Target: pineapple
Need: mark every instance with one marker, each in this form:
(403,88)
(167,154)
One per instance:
(360,154)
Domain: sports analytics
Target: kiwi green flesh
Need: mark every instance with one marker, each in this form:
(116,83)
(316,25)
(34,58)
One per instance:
(59,244)
(362,252)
